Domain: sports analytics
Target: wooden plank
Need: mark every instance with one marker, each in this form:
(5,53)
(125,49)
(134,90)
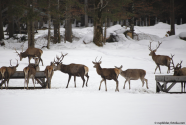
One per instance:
(159,86)
(169,88)
(160,78)
(175,78)
(20,74)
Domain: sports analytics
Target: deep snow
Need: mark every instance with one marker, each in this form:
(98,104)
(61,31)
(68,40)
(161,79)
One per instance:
(88,105)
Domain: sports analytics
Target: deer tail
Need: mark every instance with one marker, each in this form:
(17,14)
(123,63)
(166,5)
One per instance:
(3,72)
(117,71)
(26,70)
(86,70)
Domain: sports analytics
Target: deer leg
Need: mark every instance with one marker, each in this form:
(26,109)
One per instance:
(146,83)
(155,69)
(7,83)
(41,60)
(82,76)
(100,84)
(159,69)
(117,89)
(129,83)
(29,59)
(75,81)
(168,70)
(33,82)
(184,86)
(142,80)
(125,83)
(105,85)
(87,79)
(68,80)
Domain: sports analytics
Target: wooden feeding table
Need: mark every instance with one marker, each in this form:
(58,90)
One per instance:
(39,77)
(165,79)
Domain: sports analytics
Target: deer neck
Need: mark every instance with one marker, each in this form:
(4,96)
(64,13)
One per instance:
(24,54)
(64,68)
(98,69)
(153,56)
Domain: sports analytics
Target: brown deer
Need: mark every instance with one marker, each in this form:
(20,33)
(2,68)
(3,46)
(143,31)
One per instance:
(7,72)
(107,74)
(160,59)
(3,74)
(72,69)
(31,52)
(49,71)
(178,71)
(29,72)
(134,74)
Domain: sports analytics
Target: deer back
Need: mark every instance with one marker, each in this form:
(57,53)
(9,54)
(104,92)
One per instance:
(75,69)
(133,74)
(34,52)
(161,59)
(29,71)
(49,71)
(180,72)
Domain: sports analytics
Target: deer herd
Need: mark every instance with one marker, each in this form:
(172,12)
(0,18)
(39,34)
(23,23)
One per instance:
(81,70)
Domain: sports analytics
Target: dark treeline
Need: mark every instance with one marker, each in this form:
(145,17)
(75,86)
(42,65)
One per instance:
(27,16)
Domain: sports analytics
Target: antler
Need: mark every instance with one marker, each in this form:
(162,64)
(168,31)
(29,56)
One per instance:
(10,62)
(17,52)
(59,60)
(99,60)
(172,61)
(159,43)
(17,63)
(179,64)
(150,47)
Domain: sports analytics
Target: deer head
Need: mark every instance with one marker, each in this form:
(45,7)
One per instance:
(152,52)
(19,54)
(176,68)
(96,64)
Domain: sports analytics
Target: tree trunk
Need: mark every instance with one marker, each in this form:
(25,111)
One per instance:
(98,31)
(49,19)
(105,31)
(56,27)
(86,16)
(1,24)
(30,24)
(10,20)
(172,32)
(68,25)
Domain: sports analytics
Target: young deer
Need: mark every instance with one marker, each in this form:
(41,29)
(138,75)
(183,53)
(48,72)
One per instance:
(49,71)
(134,74)
(31,52)
(7,72)
(107,74)
(29,72)
(178,71)
(160,59)
(72,69)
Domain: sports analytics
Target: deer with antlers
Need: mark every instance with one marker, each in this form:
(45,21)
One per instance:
(179,71)
(160,59)
(107,74)
(72,69)
(7,72)
(30,53)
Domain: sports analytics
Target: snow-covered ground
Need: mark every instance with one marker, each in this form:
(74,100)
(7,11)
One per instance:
(88,105)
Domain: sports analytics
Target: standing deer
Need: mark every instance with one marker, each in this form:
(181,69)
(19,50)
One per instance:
(107,74)
(178,71)
(49,71)
(31,52)
(7,72)
(29,72)
(3,74)
(160,59)
(72,69)
(134,74)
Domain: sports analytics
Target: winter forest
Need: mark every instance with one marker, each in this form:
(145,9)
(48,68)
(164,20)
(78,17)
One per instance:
(92,62)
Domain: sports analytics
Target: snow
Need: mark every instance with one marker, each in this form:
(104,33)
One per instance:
(182,35)
(88,105)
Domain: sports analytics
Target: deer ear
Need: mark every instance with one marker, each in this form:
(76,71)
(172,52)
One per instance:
(155,50)
(100,62)
(93,62)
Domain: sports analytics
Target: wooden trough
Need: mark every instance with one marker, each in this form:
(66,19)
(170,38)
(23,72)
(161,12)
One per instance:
(166,79)
(39,77)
